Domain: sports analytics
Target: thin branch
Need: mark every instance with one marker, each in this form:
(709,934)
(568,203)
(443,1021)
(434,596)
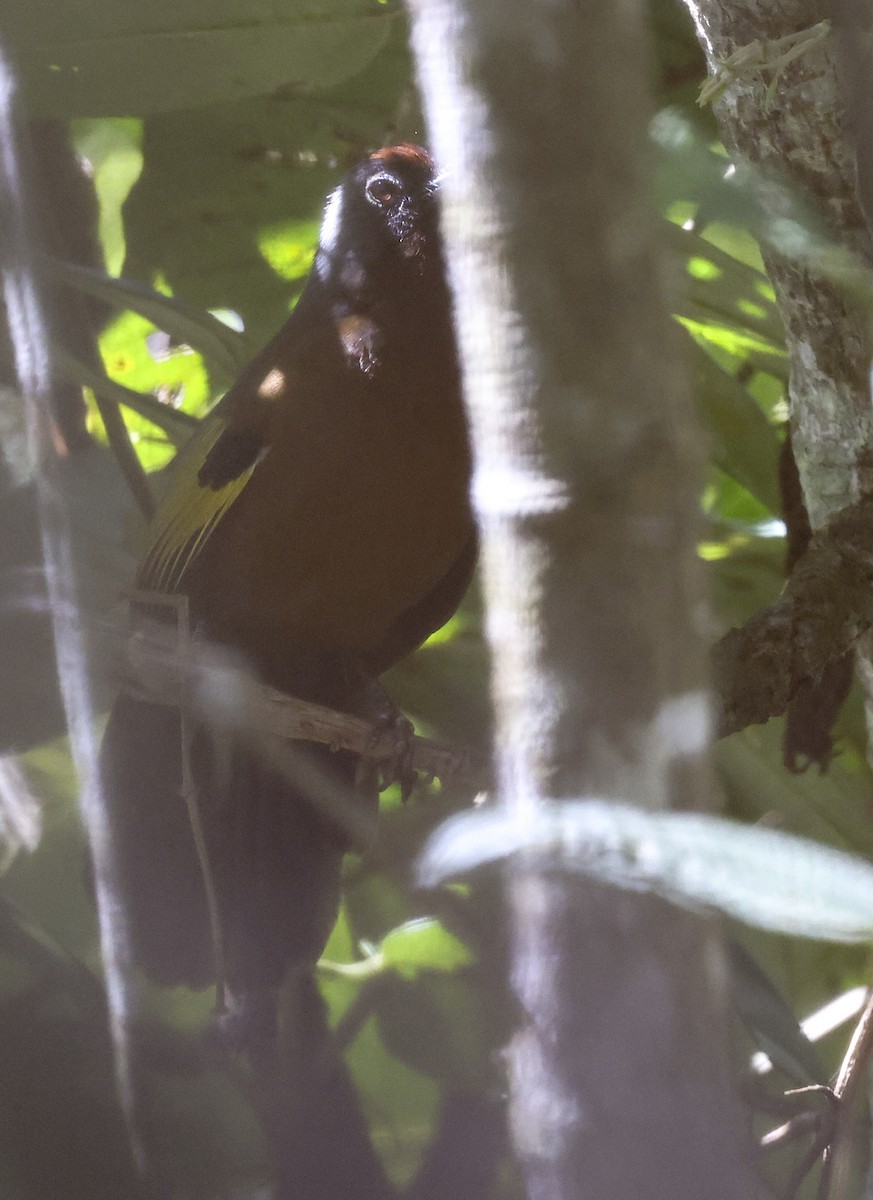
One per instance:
(851,1079)
(121,446)
(157,668)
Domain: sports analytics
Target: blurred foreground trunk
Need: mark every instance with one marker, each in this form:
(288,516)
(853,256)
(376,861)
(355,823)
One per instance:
(586,489)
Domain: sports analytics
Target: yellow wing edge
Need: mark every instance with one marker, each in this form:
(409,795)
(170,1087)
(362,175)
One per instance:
(187,517)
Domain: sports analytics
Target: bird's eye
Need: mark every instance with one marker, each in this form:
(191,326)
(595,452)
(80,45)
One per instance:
(382,190)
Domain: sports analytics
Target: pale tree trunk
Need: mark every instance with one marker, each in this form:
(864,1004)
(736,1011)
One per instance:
(586,489)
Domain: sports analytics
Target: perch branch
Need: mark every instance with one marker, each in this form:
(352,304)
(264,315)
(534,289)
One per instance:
(157,668)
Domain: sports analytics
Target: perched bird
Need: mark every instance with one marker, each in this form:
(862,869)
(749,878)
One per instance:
(320,526)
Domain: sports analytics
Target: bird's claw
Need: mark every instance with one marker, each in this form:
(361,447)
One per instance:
(398,768)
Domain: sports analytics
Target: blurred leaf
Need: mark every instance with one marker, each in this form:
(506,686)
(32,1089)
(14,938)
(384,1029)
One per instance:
(226,350)
(746,571)
(401,1102)
(46,899)
(740,345)
(20,812)
(61,1130)
(120,58)
(765,878)
(419,945)
(438,1024)
(112,150)
(228,205)
(743,442)
(423,945)
(770,1018)
(727,194)
(721,290)
(688,167)
(832,807)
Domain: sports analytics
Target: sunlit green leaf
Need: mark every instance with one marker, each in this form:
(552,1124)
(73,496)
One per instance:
(739,345)
(423,945)
(112,150)
(179,380)
(225,349)
(742,440)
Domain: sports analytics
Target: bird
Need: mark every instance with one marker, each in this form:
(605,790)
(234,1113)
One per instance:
(319,526)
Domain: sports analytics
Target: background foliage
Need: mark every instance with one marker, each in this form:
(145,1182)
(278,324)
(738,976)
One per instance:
(211,145)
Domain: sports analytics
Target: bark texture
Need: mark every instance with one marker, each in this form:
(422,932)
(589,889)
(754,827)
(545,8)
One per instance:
(586,491)
(795,136)
(805,135)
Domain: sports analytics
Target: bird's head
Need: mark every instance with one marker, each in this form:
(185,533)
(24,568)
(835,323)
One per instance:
(382,217)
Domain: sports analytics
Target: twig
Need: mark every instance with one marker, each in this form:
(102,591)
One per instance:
(222,689)
(851,1078)
(821,1124)
(122,448)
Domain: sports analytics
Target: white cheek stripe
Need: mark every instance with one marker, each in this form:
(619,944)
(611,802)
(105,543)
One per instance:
(331,224)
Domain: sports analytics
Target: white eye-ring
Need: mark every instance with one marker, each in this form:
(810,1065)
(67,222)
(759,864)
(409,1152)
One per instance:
(382,190)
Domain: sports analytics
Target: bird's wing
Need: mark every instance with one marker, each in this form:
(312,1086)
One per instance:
(215,468)
(192,509)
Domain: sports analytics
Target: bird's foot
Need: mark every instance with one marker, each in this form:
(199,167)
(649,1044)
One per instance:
(387,719)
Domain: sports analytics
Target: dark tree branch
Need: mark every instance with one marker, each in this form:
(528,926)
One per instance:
(161,669)
(826,606)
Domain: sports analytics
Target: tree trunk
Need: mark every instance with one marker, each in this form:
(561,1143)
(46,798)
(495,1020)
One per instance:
(793,139)
(586,489)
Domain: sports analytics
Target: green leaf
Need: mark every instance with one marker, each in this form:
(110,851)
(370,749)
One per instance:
(442,1027)
(401,1101)
(112,150)
(177,425)
(740,345)
(120,58)
(722,291)
(770,1019)
(423,945)
(228,209)
(743,442)
(768,879)
(419,945)
(832,807)
(226,349)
